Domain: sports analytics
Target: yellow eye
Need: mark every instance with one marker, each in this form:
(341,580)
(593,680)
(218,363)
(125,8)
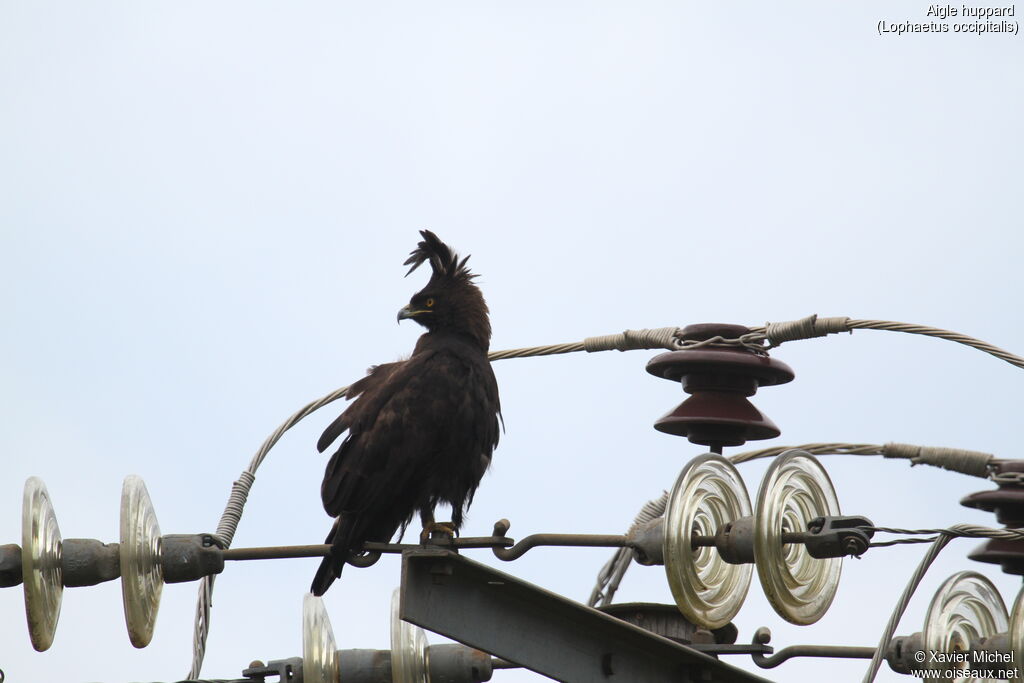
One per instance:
(430,303)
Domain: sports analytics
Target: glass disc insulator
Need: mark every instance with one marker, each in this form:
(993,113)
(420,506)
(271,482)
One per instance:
(40,563)
(408,648)
(319,652)
(966,608)
(142,577)
(708,495)
(795,490)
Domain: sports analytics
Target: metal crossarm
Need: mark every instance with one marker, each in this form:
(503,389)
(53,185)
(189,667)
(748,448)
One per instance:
(540,630)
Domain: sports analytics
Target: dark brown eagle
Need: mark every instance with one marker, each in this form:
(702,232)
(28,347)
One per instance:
(420,431)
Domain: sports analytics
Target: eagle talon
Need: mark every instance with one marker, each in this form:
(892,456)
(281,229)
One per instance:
(435,530)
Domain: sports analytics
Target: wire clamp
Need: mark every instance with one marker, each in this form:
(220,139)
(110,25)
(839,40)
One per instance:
(836,536)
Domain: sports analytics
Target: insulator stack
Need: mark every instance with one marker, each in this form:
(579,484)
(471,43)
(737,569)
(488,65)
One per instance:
(719,378)
(1007,502)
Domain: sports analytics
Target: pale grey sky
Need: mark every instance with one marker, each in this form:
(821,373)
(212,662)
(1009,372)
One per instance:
(204,210)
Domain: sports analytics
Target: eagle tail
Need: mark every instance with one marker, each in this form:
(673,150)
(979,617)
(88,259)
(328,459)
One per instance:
(340,539)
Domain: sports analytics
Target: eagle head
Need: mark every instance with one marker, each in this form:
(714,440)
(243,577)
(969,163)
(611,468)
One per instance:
(450,302)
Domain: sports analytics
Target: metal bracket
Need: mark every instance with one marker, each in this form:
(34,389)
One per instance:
(540,630)
(286,670)
(188,557)
(648,542)
(87,562)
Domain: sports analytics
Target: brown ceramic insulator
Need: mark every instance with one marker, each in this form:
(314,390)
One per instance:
(718,418)
(1007,502)
(719,379)
(1007,553)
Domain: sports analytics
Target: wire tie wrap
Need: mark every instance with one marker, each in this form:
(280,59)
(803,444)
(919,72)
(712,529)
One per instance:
(805,328)
(629,340)
(974,463)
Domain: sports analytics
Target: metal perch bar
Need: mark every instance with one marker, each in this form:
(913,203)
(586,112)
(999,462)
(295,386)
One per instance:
(280,552)
(504,548)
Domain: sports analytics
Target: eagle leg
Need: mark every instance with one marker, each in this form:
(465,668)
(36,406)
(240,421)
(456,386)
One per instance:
(432,529)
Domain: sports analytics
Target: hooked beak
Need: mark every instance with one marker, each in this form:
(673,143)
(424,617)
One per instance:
(409,312)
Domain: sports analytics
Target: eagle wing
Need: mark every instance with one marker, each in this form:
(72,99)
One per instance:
(365,408)
(419,431)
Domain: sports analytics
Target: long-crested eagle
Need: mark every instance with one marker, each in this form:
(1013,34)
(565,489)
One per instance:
(420,431)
